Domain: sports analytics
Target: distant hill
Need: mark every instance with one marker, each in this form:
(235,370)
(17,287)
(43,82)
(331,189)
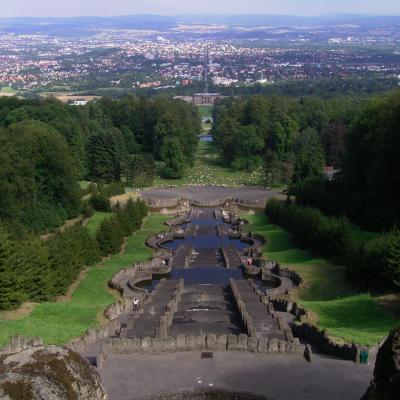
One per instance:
(83,25)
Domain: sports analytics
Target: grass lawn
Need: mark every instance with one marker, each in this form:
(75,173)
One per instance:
(84,184)
(205,111)
(340,310)
(362,236)
(208,171)
(95,220)
(58,322)
(7,89)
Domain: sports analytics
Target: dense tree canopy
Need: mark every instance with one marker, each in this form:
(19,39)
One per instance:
(47,146)
(366,189)
(273,131)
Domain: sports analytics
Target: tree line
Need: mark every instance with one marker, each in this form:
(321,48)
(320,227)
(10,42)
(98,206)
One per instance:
(366,189)
(48,146)
(33,269)
(371,265)
(291,138)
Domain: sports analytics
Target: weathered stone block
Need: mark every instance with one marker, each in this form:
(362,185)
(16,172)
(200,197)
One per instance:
(222,342)
(135,345)
(158,345)
(232,343)
(282,346)
(263,345)
(190,343)
(181,342)
(242,342)
(101,359)
(170,344)
(211,341)
(290,347)
(273,346)
(145,344)
(300,348)
(200,342)
(252,344)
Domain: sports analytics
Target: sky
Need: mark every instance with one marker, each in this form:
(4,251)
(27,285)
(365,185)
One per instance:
(66,8)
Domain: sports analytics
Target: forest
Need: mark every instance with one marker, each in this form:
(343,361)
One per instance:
(295,139)
(48,147)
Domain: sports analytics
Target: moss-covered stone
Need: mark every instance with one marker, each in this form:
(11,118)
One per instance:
(49,372)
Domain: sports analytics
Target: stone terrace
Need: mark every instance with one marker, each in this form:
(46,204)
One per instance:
(206,309)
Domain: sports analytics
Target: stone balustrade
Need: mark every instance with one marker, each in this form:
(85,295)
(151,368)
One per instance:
(19,343)
(209,342)
(93,335)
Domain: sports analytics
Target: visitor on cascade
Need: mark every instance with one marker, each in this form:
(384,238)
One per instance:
(135,304)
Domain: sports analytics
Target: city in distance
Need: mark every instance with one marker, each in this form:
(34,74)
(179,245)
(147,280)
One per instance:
(199,200)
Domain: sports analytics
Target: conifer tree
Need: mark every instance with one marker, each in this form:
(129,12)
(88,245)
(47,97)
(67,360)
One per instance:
(11,295)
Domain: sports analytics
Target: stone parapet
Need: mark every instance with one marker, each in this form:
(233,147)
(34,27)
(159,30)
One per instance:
(209,342)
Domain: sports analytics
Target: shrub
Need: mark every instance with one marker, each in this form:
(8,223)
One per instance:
(100,203)
(327,236)
(87,209)
(376,264)
(111,232)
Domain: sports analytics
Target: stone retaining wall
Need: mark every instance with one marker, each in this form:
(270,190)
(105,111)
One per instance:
(19,343)
(311,333)
(174,202)
(93,335)
(320,338)
(226,258)
(170,310)
(209,342)
(287,273)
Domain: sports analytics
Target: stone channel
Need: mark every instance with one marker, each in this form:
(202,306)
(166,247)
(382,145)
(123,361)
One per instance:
(207,287)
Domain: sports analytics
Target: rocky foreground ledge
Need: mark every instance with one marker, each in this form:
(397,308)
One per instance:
(33,371)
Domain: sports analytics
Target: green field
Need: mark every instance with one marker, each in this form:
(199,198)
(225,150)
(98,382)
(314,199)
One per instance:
(59,322)
(362,236)
(207,170)
(206,111)
(95,220)
(344,313)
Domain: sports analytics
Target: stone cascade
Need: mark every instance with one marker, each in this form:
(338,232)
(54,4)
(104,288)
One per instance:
(231,257)
(206,257)
(206,308)
(155,315)
(222,230)
(125,280)
(257,313)
(182,257)
(206,230)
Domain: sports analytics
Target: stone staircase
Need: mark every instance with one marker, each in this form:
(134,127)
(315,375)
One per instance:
(231,258)
(151,315)
(181,256)
(259,315)
(206,308)
(206,258)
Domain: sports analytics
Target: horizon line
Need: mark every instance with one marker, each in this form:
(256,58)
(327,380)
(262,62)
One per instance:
(219,14)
